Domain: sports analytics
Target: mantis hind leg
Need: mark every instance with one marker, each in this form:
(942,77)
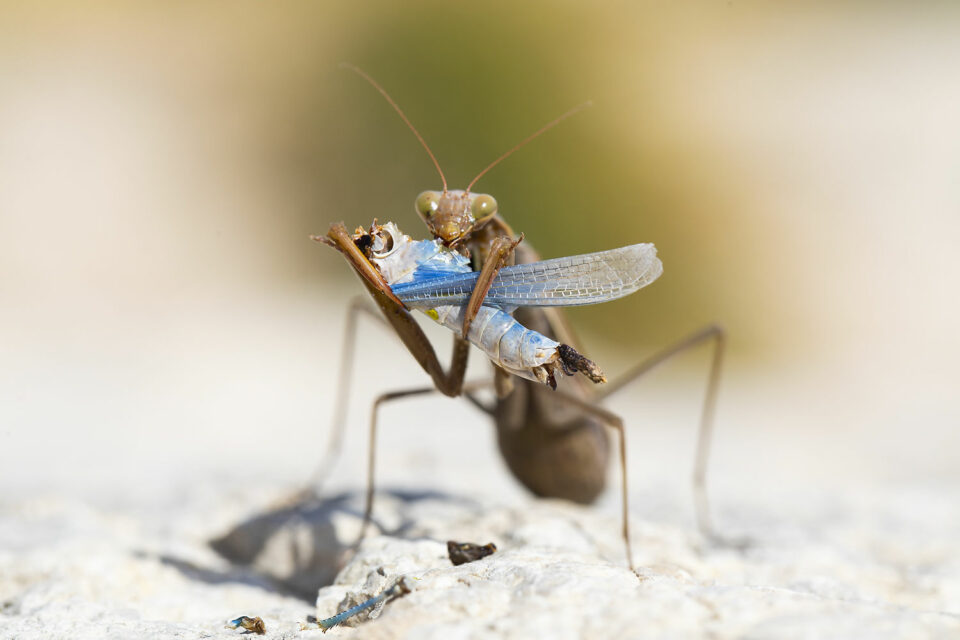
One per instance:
(338,424)
(715,335)
(615,422)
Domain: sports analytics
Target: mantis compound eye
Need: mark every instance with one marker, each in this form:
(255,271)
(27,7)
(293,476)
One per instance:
(483,206)
(427,203)
(384,245)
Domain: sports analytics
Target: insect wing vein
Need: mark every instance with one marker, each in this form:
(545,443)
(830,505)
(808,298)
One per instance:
(569,281)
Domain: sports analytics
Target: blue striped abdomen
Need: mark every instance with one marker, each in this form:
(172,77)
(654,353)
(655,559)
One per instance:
(504,340)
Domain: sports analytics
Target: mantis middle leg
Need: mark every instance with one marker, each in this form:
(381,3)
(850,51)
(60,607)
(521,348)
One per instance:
(468,390)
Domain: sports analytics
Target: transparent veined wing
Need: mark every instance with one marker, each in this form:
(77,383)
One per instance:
(560,282)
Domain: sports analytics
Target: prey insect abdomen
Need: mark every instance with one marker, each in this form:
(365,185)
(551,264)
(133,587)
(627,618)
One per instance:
(504,340)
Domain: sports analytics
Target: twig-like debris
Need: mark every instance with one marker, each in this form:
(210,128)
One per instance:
(400,587)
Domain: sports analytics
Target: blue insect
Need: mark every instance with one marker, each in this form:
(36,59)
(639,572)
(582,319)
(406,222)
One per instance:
(431,278)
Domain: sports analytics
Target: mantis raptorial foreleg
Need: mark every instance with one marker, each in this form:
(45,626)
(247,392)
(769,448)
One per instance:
(395,316)
(501,251)
(448,382)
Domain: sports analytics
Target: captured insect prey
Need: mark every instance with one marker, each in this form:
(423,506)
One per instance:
(427,276)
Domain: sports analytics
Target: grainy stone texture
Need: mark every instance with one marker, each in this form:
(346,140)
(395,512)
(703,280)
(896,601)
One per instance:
(71,571)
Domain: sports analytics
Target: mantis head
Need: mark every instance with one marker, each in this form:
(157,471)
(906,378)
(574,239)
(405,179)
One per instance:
(451,215)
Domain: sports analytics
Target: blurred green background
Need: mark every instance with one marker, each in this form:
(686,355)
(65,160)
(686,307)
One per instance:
(161,166)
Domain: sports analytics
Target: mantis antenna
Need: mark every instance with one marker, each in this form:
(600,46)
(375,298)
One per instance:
(363,74)
(542,129)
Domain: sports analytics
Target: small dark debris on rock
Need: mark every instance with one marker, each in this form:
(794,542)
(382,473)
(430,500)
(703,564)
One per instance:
(462,552)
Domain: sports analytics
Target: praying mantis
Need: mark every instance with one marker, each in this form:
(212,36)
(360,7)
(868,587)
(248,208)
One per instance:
(553,441)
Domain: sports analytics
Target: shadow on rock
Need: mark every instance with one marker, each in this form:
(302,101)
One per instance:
(302,545)
(235,575)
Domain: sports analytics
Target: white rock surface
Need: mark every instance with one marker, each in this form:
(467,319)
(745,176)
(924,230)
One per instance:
(71,571)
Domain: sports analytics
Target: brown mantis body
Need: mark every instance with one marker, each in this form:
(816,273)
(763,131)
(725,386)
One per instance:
(554,442)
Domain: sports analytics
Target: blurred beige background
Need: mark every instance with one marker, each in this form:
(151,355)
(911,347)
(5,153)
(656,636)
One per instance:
(165,317)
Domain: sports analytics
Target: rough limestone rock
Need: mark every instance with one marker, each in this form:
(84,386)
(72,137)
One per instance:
(184,570)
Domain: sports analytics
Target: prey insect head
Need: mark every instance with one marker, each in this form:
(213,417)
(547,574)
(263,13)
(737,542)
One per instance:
(452,215)
(380,241)
(383,243)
